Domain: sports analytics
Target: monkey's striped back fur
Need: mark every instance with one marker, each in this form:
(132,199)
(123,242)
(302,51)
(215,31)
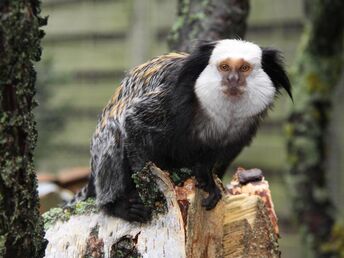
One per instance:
(147,78)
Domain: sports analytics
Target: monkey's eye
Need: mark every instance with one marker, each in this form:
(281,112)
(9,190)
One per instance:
(224,67)
(245,68)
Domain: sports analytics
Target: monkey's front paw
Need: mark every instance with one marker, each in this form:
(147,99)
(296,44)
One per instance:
(137,211)
(212,199)
(132,209)
(201,184)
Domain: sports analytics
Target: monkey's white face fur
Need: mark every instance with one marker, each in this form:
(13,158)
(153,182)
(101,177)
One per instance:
(253,90)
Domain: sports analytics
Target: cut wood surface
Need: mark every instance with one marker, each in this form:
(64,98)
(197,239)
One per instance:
(247,228)
(239,226)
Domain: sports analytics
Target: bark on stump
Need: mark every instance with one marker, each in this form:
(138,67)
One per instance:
(241,225)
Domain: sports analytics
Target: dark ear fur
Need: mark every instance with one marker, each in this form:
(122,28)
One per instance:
(195,63)
(272,63)
(183,98)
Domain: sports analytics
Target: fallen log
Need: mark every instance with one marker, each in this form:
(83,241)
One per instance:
(241,225)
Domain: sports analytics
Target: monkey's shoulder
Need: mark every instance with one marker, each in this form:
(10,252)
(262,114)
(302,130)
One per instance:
(148,76)
(146,80)
(144,86)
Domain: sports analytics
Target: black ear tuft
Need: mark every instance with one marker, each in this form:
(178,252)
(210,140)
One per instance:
(184,97)
(205,46)
(196,62)
(273,65)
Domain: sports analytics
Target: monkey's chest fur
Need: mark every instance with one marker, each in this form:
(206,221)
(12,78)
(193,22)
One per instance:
(221,127)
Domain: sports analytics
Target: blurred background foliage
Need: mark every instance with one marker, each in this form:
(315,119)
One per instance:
(90,44)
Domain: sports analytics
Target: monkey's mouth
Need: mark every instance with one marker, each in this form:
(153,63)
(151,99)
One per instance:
(233,91)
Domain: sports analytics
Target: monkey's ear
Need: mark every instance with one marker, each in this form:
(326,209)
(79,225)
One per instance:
(205,45)
(195,63)
(273,65)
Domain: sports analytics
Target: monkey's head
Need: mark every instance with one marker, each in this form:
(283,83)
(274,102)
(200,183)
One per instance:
(239,76)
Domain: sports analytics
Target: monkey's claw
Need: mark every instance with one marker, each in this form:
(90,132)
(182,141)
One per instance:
(201,184)
(137,211)
(212,199)
(131,209)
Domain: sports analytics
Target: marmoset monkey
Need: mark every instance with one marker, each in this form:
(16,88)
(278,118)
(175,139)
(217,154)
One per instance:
(179,110)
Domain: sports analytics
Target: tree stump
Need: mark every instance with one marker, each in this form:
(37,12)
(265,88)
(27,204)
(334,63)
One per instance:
(239,226)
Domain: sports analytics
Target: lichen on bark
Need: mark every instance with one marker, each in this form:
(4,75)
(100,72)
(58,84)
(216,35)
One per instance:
(178,176)
(315,74)
(207,20)
(94,245)
(125,247)
(64,214)
(149,191)
(21,227)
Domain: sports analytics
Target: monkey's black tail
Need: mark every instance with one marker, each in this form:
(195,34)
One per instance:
(86,192)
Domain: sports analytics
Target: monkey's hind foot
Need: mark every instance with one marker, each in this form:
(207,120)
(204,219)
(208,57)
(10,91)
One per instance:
(131,209)
(212,199)
(201,185)
(205,181)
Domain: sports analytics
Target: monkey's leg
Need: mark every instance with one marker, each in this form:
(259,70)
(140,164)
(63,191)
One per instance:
(141,125)
(221,167)
(205,181)
(115,190)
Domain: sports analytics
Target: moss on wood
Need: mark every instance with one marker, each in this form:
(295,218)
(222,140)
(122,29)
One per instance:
(315,75)
(21,227)
(94,245)
(149,191)
(336,243)
(207,20)
(65,213)
(125,247)
(178,176)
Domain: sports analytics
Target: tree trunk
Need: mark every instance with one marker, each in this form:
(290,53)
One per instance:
(208,20)
(21,228)
(140,33)
(241,225)
(316,73)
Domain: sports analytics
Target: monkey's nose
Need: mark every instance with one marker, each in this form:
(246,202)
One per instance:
(233,79)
